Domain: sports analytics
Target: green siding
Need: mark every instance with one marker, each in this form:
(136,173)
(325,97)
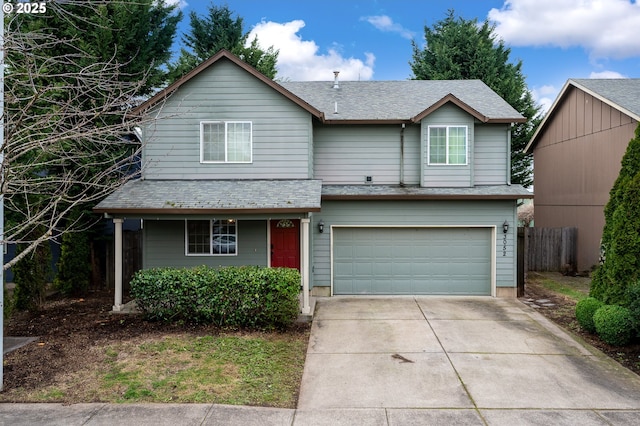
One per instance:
(282,131)
(418,213)
(444,175)
(346,154)
(412,261)
(164,245)
(491,166)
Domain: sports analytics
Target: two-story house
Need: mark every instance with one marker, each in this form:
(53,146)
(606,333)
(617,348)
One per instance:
(368,188)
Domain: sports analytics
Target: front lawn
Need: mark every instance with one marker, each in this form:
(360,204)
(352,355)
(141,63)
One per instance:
(86,354)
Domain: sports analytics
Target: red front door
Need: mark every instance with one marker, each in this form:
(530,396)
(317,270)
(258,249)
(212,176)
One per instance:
(285,243)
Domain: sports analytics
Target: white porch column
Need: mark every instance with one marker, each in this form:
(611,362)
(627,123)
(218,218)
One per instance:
(306,308)
(117,233)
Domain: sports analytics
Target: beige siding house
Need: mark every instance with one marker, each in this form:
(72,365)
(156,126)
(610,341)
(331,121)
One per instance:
(577,151)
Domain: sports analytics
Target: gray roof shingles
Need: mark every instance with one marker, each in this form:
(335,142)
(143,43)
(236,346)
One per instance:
(212,195)
(624,92)
(397,100)
(415,191)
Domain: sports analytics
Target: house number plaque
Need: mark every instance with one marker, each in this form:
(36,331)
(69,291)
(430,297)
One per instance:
(504,245)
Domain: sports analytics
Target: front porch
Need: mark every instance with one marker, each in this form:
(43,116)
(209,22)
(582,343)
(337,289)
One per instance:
(216,223)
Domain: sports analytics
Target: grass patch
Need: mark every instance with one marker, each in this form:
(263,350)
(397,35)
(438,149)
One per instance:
(565,289)
(237,370)
(261,369)
(576,288)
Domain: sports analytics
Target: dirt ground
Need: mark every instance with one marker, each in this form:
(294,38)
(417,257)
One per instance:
(563,314)
(67,329)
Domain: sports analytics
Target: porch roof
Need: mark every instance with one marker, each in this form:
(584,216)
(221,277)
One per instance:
(213,196)
(415,192)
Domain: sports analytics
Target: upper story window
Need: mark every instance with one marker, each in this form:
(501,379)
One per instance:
(225,141)
(211,237)
(447,145)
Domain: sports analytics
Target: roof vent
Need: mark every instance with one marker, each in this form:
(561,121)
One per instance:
(335,80)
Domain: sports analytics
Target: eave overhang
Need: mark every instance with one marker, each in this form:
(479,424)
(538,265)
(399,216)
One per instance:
(208,197)
(414,192)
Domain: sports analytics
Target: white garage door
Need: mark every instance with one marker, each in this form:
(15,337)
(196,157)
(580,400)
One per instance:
(412,261)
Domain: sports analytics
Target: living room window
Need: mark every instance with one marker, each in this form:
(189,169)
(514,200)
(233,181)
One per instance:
(211,237)
(447,145)
(225,141)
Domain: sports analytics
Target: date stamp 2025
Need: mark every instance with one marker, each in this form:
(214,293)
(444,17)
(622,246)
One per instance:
(24,7)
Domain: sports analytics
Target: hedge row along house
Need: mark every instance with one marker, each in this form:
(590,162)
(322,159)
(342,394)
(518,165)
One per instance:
(368,188)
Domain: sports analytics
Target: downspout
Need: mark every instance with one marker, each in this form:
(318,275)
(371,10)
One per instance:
(509,155)
(402,156)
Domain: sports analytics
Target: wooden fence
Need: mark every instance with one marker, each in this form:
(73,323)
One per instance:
(549,249)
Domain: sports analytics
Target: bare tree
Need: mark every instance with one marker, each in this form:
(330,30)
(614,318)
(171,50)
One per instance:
(67,117)
(525,214)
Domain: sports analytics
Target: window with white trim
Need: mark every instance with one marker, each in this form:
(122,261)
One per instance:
(226,141)
(447,145)
(211,237)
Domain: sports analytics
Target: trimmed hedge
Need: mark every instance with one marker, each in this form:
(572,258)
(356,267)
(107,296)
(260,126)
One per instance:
(584,313)
(633,303)
(246,296)
(613,324)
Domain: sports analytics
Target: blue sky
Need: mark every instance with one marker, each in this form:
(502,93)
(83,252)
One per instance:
(371,39)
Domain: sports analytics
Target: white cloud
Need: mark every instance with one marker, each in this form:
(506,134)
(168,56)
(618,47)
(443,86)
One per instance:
(544,96)
(181,3)
(386,24)
(605,28)
(606,74)
(300,60)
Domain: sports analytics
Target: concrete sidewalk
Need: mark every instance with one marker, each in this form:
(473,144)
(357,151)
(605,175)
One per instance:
(403,361)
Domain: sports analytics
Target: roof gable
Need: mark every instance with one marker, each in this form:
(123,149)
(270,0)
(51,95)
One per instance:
(218,57)
(455,101)
(620,94)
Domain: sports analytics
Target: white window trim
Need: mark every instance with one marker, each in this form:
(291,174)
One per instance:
(447,127)
(211,253)
(226,150)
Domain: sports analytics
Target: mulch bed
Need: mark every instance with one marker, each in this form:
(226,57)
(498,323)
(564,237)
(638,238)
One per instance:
(563,314)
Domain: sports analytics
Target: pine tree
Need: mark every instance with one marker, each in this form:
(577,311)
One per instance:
(459,49)
(216,31)
(621,234)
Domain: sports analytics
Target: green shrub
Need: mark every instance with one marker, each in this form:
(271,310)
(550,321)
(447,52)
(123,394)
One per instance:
(613,324)
(74,265)
(633,304)
(31,275)
(247,296)
(584,313)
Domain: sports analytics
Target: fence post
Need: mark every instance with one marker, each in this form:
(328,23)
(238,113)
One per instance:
(520,262)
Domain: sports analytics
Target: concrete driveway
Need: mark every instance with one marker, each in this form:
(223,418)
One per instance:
(455,360)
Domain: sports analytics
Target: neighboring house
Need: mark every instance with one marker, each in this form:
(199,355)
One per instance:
(577,151)
(388,187)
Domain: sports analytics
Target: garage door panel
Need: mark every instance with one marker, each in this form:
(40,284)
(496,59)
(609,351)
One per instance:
(412,261)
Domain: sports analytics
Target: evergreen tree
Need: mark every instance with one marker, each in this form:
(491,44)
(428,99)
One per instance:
(459,49)
(621,234)
(74,266)
(216,31)
(31,276)
(72,76)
